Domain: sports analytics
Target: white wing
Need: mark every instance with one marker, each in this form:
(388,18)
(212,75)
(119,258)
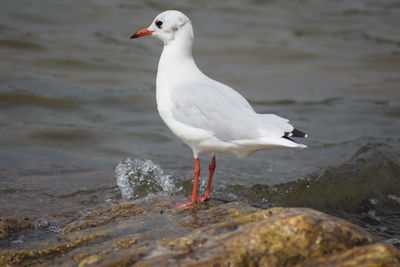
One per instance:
(215,107)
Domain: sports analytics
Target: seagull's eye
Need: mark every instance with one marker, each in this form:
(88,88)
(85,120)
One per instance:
(159,23)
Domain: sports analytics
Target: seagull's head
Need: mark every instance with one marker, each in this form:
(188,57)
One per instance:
(168,26)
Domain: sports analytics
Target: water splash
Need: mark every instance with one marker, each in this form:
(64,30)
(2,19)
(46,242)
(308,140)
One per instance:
(139,178)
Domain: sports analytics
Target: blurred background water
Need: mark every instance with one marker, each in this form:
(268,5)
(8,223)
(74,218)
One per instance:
(77,97)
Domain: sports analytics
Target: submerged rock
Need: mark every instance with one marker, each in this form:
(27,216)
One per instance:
(150,233)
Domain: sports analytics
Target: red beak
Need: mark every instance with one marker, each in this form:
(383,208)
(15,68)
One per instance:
(141,33)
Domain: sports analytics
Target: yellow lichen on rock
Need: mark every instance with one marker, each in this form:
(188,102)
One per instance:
(89,260)
(128,242)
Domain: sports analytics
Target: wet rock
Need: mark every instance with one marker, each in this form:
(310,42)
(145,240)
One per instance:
(12,226)
(35,256)
(103,216)
(150,233)
(377,254)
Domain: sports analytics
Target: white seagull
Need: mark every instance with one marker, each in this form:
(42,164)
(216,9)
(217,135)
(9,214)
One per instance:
(205,114)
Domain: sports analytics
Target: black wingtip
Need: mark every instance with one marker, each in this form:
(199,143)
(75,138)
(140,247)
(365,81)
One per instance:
(296,133)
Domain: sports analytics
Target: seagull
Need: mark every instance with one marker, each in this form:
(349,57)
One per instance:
(208,116)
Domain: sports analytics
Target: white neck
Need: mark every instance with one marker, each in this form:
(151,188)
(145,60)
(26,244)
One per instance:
(176,61)
(176,52)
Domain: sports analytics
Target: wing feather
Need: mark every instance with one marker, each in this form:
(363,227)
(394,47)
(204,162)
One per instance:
(215,107)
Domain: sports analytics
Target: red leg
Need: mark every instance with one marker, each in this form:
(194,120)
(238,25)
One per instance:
(195,185)
(211,167)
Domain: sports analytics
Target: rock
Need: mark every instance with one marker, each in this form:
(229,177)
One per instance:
(377,254)
(150,233)
(11,226)
(35,256)
(274,237)
(102,216)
